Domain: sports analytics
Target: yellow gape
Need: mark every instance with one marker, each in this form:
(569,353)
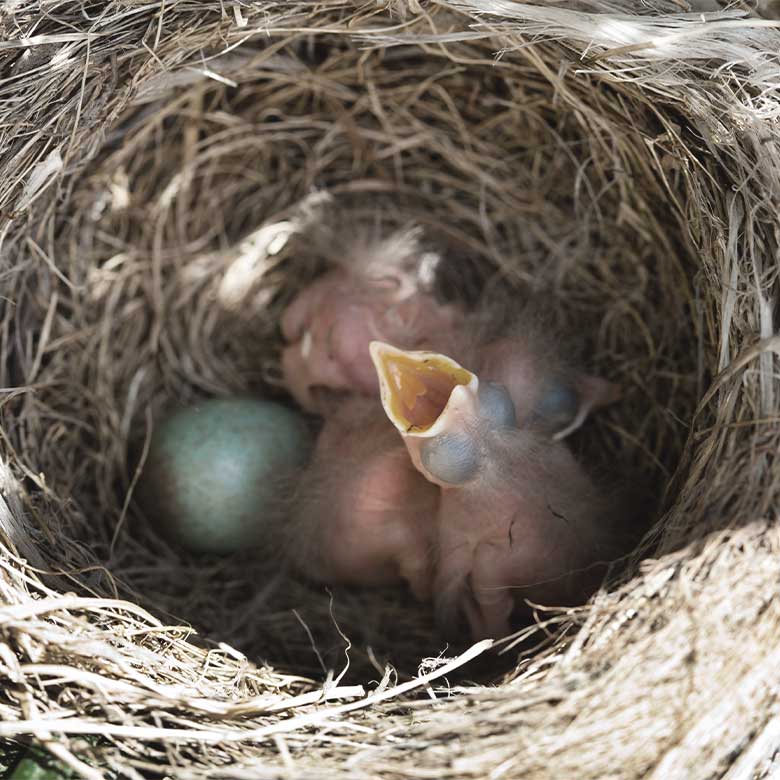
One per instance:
(416,386)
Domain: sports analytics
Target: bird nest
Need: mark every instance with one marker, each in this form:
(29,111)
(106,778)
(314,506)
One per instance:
(165,166)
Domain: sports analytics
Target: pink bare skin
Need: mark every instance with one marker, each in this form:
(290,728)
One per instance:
(329,325)
(362,515)
(376,288)
(531,529)
(519,521)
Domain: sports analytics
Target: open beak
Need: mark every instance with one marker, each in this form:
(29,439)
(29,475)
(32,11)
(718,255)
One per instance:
(425,395)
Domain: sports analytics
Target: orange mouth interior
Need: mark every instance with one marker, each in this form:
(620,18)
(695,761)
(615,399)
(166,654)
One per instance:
(419,388)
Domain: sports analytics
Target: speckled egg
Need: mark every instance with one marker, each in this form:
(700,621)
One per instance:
(215,470)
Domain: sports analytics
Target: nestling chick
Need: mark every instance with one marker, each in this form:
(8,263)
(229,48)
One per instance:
(547,393)
(361,514)
(374,293)
(518,519)
(477,505)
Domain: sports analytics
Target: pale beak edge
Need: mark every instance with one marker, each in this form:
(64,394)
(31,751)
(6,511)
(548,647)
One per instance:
(416,387)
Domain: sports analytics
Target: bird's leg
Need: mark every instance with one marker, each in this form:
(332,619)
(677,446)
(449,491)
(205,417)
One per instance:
(415,570)
(492,602)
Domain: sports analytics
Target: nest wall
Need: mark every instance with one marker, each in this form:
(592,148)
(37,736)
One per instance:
(165,168)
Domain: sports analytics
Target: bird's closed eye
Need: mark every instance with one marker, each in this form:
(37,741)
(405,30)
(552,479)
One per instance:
(450,457)
(495,404)
(558,404)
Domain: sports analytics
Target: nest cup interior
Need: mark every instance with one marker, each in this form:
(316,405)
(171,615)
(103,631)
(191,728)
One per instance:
(170,294)
(163,299)
(153,285)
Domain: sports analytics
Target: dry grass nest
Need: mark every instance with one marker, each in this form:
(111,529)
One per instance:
(163,166)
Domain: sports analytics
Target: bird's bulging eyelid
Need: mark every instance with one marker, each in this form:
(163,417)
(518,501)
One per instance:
(561,397)
(496,405)
(451,457)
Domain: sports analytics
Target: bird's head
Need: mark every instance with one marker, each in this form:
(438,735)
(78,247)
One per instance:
(442,411)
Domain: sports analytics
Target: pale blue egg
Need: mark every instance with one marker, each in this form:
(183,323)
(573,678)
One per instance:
(216,471)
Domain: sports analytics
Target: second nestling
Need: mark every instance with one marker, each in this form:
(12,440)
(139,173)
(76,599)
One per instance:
(441,462)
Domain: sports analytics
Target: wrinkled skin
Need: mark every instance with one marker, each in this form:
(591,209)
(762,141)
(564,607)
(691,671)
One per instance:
(361,514)
(531,527)
(518,518)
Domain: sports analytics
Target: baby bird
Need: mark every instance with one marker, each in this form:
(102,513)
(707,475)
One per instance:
(361,513)
(478,504)
(376,292)
(518,519)
(546,391)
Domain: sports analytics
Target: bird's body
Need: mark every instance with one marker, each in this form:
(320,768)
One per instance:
(539,537)
(361,514)
(478,504)
(518,519)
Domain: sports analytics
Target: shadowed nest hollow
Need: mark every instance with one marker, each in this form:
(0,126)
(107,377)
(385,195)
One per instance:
(164,165)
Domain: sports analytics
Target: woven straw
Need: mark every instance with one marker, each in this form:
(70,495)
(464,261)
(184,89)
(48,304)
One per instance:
(163,166)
